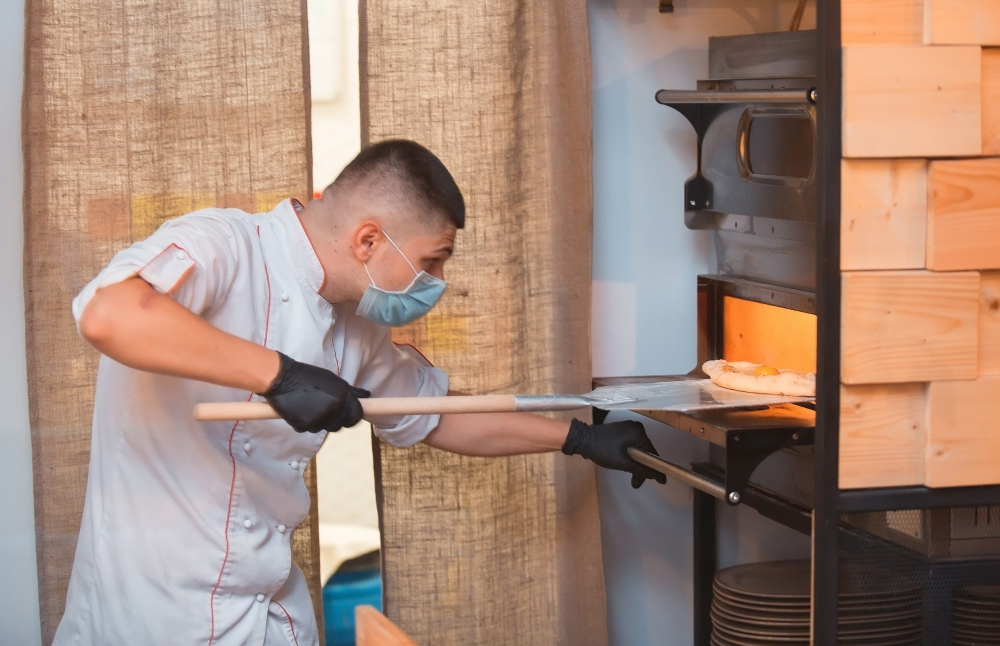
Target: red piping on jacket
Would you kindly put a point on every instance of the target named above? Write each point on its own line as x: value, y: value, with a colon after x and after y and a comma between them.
x: 232, y: 481
x: 290, y: 623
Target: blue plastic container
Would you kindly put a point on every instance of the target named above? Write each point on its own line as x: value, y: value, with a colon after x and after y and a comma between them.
x: 341, y: 594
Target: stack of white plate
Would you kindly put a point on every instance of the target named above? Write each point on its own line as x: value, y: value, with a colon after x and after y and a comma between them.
x: 975, y: 616
x: 767, y: 604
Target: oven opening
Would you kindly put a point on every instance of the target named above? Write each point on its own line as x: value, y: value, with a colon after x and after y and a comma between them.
x: 779, y: 146
x: 761, y: 333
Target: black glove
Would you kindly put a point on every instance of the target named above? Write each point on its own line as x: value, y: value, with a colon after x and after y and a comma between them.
x: 313, y: 399
x: 606, y: 445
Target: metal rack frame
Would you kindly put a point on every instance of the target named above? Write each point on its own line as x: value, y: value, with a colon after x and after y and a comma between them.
x: 827, y: 441
x: 830, y: 501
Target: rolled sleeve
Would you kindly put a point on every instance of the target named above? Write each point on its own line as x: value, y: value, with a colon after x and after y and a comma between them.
x: 191, y: 258
x: 401, y: 371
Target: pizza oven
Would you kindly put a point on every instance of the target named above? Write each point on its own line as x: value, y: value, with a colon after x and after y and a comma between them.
x: 754, y: 190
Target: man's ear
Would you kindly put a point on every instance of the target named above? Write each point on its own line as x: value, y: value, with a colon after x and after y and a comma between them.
x: 366, y: 235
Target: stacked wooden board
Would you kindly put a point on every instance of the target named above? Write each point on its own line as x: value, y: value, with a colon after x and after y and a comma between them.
x: 920, y: 243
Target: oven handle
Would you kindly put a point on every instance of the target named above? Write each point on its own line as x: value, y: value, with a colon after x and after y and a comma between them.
x: 675, y: 97
x: 657, y: 463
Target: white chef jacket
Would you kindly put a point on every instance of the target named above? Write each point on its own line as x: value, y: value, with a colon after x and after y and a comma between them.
x: 186, y: 525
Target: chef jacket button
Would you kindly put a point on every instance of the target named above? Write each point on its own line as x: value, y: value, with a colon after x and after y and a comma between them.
x: 284, y: 297
x: 281, y: 529
x: 260, y: 597
x: 181, y: 255
x: 247, y: 446
x: 294, y: 464
x: 248, y: 523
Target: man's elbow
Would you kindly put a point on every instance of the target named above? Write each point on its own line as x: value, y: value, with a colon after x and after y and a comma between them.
x: 97, y: 322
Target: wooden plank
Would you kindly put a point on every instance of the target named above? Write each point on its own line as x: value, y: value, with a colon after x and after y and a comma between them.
x: 882, y: 435
x: 882, y: 22
x: 908, y: 326
x: 883, y: 214
x: 372, y: 628
x: 963, y: 447
x: 962, y: 22
x: 912, y: 101
x: 963, y: 214
x: 991, y: 101
x: 989, y: 324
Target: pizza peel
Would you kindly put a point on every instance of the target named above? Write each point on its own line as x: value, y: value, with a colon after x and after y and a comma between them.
x: 683, y: 395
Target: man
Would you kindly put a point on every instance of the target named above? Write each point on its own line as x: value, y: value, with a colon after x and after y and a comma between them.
x: 186, y: 526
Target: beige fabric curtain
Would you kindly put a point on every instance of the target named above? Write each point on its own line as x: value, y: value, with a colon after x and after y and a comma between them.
x: 135, y: 112
x: 503, y: 551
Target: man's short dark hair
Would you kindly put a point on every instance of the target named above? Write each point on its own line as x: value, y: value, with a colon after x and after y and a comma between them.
x: 423, y: 177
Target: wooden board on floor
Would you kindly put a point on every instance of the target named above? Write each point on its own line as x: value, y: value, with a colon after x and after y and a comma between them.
x: 912, y: 101
x: 883, y: 214
x: 963, y: 433
x: 991, y: 101
x: 884, y: 22
x: 961, y: 22
x: 372, y: 628
x: 989, y: 324
x: 882, y: 435
x: 963, y: 214
x: 909, y: 326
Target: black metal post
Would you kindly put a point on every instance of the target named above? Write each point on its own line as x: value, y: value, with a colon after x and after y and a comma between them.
x: 704, y: 565
x: 827, y: 439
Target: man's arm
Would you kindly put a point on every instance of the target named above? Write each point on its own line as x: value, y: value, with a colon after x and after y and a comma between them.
x: 141, y: 328
x: 497, y: 434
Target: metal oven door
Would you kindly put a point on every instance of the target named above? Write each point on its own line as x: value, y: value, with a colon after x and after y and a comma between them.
x: 756, y: 156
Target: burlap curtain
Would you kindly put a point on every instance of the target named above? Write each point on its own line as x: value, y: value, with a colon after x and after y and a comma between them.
x: 137, y: 111
x: 495, y: 551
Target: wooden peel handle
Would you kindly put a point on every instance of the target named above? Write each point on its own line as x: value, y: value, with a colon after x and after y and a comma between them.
x: 374, y: 407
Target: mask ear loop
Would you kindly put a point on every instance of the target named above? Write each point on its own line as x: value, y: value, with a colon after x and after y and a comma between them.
x: 365, y: 264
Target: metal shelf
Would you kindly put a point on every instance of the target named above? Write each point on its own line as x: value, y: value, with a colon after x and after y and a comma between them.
x: 897, y: 498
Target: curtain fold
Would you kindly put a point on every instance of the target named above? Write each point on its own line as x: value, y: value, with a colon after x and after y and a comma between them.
x: 499, y: 551
x: 134, y: 112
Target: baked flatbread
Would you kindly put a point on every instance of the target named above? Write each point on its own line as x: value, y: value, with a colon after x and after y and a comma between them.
x: 739, y: 375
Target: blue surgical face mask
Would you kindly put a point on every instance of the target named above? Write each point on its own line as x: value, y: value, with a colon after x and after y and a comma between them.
x: 399, y: 308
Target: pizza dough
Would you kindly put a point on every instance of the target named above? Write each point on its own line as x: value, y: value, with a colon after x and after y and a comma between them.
x: 739, y: 375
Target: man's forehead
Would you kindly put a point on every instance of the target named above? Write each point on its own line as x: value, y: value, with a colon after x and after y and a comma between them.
x: 449, y: 234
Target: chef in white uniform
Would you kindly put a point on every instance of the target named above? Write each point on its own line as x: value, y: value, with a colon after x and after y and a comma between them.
x: 186, y: 525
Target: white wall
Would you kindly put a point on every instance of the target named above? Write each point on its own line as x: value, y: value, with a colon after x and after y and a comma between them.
x: 336, y: 107
x: 645, y: 264
x: 18, y: 579
x: 345, y: 472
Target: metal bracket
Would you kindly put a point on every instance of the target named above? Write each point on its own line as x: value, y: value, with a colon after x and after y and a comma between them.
x: 746, y: 450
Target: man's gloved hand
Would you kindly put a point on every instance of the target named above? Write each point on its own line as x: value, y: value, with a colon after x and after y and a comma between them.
x: 313, y: 399
x: 606, y: 445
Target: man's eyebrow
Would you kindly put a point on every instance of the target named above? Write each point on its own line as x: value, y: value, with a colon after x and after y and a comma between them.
x: 449, y: 248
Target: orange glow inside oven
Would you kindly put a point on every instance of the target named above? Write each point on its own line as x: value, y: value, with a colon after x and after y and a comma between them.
x: 774, y: 336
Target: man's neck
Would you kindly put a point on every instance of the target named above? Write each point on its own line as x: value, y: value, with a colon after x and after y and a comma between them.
x: 339, y: 283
